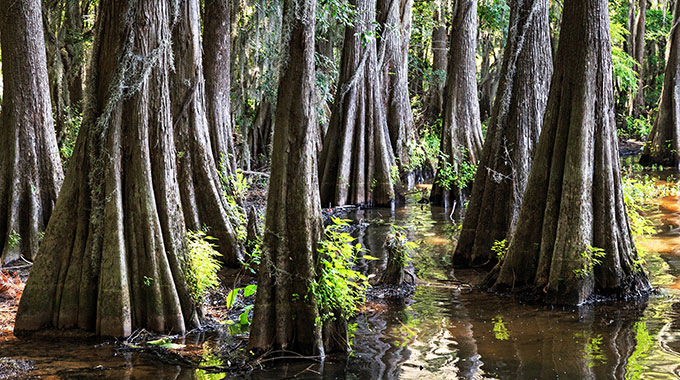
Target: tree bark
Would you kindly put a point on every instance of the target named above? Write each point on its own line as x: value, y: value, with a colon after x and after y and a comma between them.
x: 260, y: 135
x: 394, y: 18
x: 462, y: 130
x: 663, y: 142
x: 357, y: 156
x: 112, y: 258
x: 575, y: 181
x: 286, y: 314
x: 217, y: 66
x: 512, y: 135
x: 203, y: 201
x: 30, y: 169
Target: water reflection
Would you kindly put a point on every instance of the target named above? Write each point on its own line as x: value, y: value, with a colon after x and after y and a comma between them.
x: 451, y: 333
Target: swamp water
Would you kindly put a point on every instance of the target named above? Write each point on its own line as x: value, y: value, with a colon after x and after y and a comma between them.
x: 447, y: 330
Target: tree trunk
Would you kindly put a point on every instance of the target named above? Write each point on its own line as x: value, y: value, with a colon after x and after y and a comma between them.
x: 112, y: 258
x: 30, y: 170
x: 64, y: 30
x: 217, y: 66
x: 575, y: 181
x: 637, y: 102
x: 357, y: 157
x: 461, y: 131
x: 203, y: 201
x: 488, y: 74
x: 286, y: 313
x: 260, y: 135
x: 434, y: 105
x: 629, y: 44
x: 512, y: 136
x: 394, y: 18
x: 663, y: 142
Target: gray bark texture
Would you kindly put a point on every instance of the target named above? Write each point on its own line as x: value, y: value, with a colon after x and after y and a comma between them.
x: 293, y: 223
x: 663, y: 142
x: 203, y: 201
x: 217, y: 72
x: 394, y: 18
x: 512, y: 135
x: 357, y: 156
x: 112, y: 257
x: 574, y: 199
x: 461, y: 131
x: 30, y: 169
x: 260, y: 135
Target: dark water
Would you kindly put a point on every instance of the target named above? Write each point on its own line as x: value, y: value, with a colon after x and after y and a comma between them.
x: 448, y: 330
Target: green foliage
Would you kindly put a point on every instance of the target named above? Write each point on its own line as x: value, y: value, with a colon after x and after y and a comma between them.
x: 500, y: 248
x: 327, y: 71
x: 424, y: 151
x: 493, y: 14
x: 657, y: 29
x: 638, y: 192
x: 201, y: 265
x: 244, y: 317
x: 623, y: 64
x: 636, y: 127
x: 456, y: 173
x: 252, y: 255
x: 420, y: 63
x: 394, y: 174
x: 339, y: 289
x: 70, y: 134
x: 625, y: 75
x: 590, y: 257
x: 235, y: 187
x: 398, y: 243
x: 13, y: 239
x: 339, y: 11
x: 256, y: 55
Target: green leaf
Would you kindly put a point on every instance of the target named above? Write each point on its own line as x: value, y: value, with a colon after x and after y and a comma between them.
x: 249, y: 290
x: 369, y: 257
x: 158, y: 342
x: 231, y: 297
x: 243, y: 318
